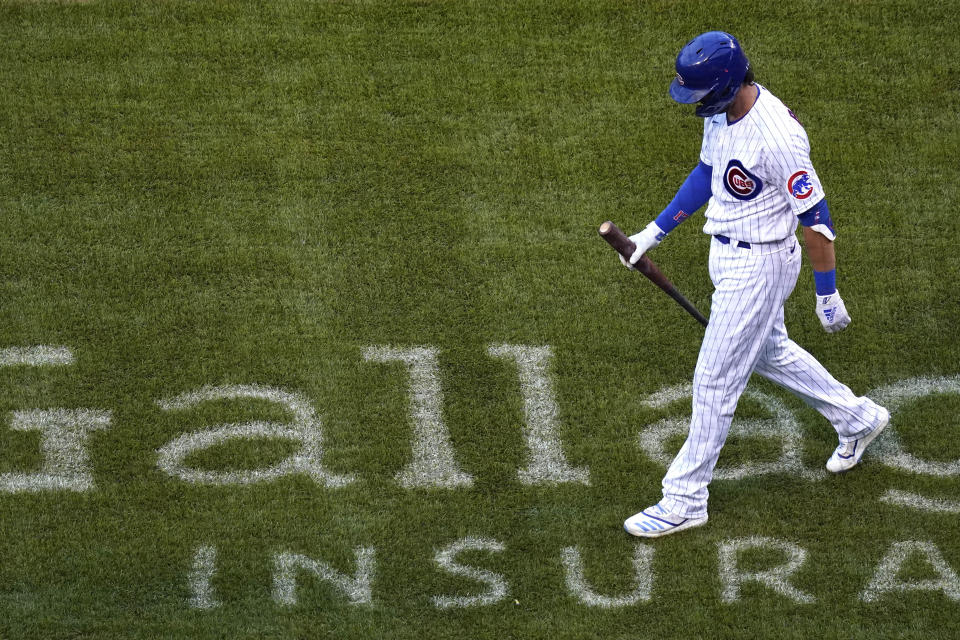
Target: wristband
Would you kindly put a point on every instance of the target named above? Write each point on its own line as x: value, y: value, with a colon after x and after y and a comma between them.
x: 826, y: 282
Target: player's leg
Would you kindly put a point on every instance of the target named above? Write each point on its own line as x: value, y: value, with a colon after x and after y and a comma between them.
x: 783, y: 361
x: 749, y: 291
x: 856, y: 419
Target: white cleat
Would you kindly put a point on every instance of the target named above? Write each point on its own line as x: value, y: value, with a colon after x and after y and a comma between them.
x: 654, y: 522
x: 848, y: 454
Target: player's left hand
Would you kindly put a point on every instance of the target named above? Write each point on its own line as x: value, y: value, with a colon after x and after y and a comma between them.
x: 832, y: 312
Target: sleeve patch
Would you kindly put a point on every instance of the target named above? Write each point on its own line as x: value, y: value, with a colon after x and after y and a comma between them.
x: 800, y: 185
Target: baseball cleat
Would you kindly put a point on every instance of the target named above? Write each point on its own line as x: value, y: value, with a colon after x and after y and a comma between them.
x: 848, y: 454
x: 654, y: 522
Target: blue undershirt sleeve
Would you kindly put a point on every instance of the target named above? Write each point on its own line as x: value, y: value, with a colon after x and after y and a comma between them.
x: 693, y: 194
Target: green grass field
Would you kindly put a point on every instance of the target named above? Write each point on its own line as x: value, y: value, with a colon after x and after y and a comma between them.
x: 364, y: 234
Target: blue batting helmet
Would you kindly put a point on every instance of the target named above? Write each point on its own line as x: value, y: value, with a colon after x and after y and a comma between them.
x: 710, y: 69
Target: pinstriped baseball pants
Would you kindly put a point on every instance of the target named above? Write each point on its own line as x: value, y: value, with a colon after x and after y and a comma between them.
x: 746, y: 334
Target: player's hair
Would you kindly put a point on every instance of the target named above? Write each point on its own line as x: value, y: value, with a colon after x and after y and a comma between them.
x: 748, y: 79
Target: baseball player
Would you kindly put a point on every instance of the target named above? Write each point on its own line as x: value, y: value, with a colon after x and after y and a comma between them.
x: 756, y: 173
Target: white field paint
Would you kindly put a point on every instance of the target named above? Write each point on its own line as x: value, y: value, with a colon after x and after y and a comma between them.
x: 66, y: 463
x: 783, y: 426
x: 356, y: 588
x: 776, y: 578
x: 888, y: 448
x: 305, y: 428
x: 546, y: 464
x: 920, y: 503
x: 204, y: 566
x: 433, y: 463
x: 578, y: 587
x: 886, y: 579
x: 446, y: 559
x: 38, y: 356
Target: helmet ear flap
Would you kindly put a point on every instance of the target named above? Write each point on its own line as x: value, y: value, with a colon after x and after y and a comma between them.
x: 716, y: 101
x: 728, y: 92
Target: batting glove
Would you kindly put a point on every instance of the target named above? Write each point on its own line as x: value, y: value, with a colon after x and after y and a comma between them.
x: 832, y: 312
x: 645, y: 240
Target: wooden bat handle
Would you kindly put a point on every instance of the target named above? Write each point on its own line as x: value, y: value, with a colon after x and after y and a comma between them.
x: 625, y: 247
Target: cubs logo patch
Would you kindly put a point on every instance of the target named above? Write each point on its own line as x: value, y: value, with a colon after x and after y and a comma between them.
x: 800, y: 185
x: 740, y: 183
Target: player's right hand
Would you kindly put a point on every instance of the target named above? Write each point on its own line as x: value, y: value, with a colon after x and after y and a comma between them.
x: 832, y: 312
x: 645, y: 240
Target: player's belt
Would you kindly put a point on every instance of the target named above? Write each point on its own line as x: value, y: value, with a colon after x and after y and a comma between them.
x: 726, y: 240
x: 761, y: 248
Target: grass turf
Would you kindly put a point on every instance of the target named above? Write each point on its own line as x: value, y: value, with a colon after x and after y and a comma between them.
x: 254, y: 192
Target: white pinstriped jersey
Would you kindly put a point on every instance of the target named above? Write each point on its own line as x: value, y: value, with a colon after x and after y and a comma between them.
x: 762, y: 175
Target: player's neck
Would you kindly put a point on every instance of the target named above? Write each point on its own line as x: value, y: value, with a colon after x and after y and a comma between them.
x: 743, y: 102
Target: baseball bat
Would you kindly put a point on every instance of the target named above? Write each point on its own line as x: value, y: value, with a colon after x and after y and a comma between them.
x: 625, y: 247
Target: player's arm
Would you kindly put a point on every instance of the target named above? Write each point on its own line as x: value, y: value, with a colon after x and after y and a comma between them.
x: 823, y: 258
x: 801, y: 187
x: 818, y: 237
x: 693, y: 194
